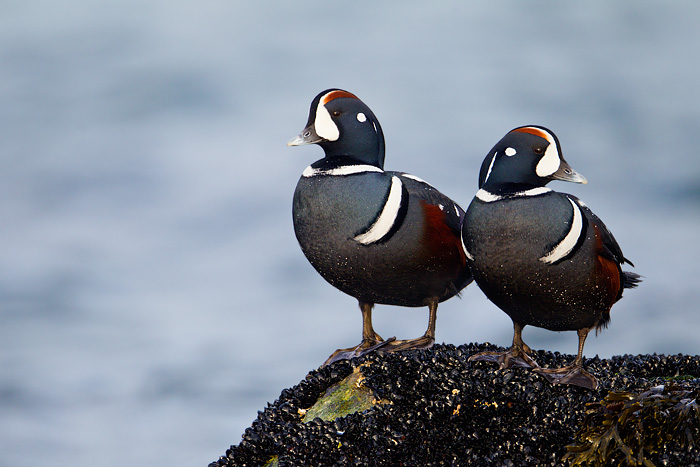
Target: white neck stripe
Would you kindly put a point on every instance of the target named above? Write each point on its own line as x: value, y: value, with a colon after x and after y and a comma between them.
x: 386, y: 219
x: 488, y: 172
x: 341, y: 171
x: 488, y: 197
x: 564, y: 247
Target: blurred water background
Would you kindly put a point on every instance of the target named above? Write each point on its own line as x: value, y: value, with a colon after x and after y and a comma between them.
x: 153, y: 297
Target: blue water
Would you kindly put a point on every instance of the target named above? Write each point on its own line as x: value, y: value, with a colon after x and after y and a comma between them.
x: 152, y: 294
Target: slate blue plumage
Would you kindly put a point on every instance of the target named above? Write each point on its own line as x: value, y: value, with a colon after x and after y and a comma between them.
x: 541, y: 256
x: 379, y: 236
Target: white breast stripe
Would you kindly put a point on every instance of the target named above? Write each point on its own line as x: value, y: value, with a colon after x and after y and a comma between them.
x: 413, y: 177
x: 385, y: 220
x: 464, y: 248
x: 340, y: 171
x: 488, y: 197
x: 564, y: 247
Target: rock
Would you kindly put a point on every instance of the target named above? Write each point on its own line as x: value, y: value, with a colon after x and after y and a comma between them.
x: 440, y: 409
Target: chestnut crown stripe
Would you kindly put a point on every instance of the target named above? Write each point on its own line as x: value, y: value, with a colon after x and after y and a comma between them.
x: 335, y: 95
x: 535, y: 131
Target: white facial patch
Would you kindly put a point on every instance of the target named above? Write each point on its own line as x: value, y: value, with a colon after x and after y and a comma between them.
x: 324, y: 125
x: 510, y: 152
x: 361, y: 117
x: 551, y: 159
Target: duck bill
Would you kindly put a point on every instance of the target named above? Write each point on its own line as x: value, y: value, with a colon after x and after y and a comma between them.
x: 567, y: 174
x: 307, y: 136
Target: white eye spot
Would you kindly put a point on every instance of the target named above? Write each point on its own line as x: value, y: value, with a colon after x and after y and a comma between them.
x: 361, y: 117
x: 511, y: 152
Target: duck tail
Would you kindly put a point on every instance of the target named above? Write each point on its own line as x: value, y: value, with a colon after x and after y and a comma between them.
x: 630, y: 280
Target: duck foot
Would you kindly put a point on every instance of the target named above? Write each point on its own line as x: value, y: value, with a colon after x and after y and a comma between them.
x: 514, y: 357
x: 359, y: 350
x: 423, y: 342
x: 572, y: 374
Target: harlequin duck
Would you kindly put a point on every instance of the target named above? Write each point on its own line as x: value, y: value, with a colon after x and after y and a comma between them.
x: 379, y: 236
x: 541, y: 256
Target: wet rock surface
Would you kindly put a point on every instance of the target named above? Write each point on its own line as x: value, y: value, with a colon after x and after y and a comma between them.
x: 444, y: 410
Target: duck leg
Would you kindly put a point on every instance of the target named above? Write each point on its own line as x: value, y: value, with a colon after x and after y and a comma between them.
x: 370, y: 339
x: 574, y: 373
x: 425, y: 341
x: 517, y: 356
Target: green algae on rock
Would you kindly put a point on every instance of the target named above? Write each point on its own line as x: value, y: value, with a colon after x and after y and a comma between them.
x: 344, y: 398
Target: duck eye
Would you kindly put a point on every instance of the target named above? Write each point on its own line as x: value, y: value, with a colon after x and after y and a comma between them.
x: 538, y: 150
x: 336, y: 113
